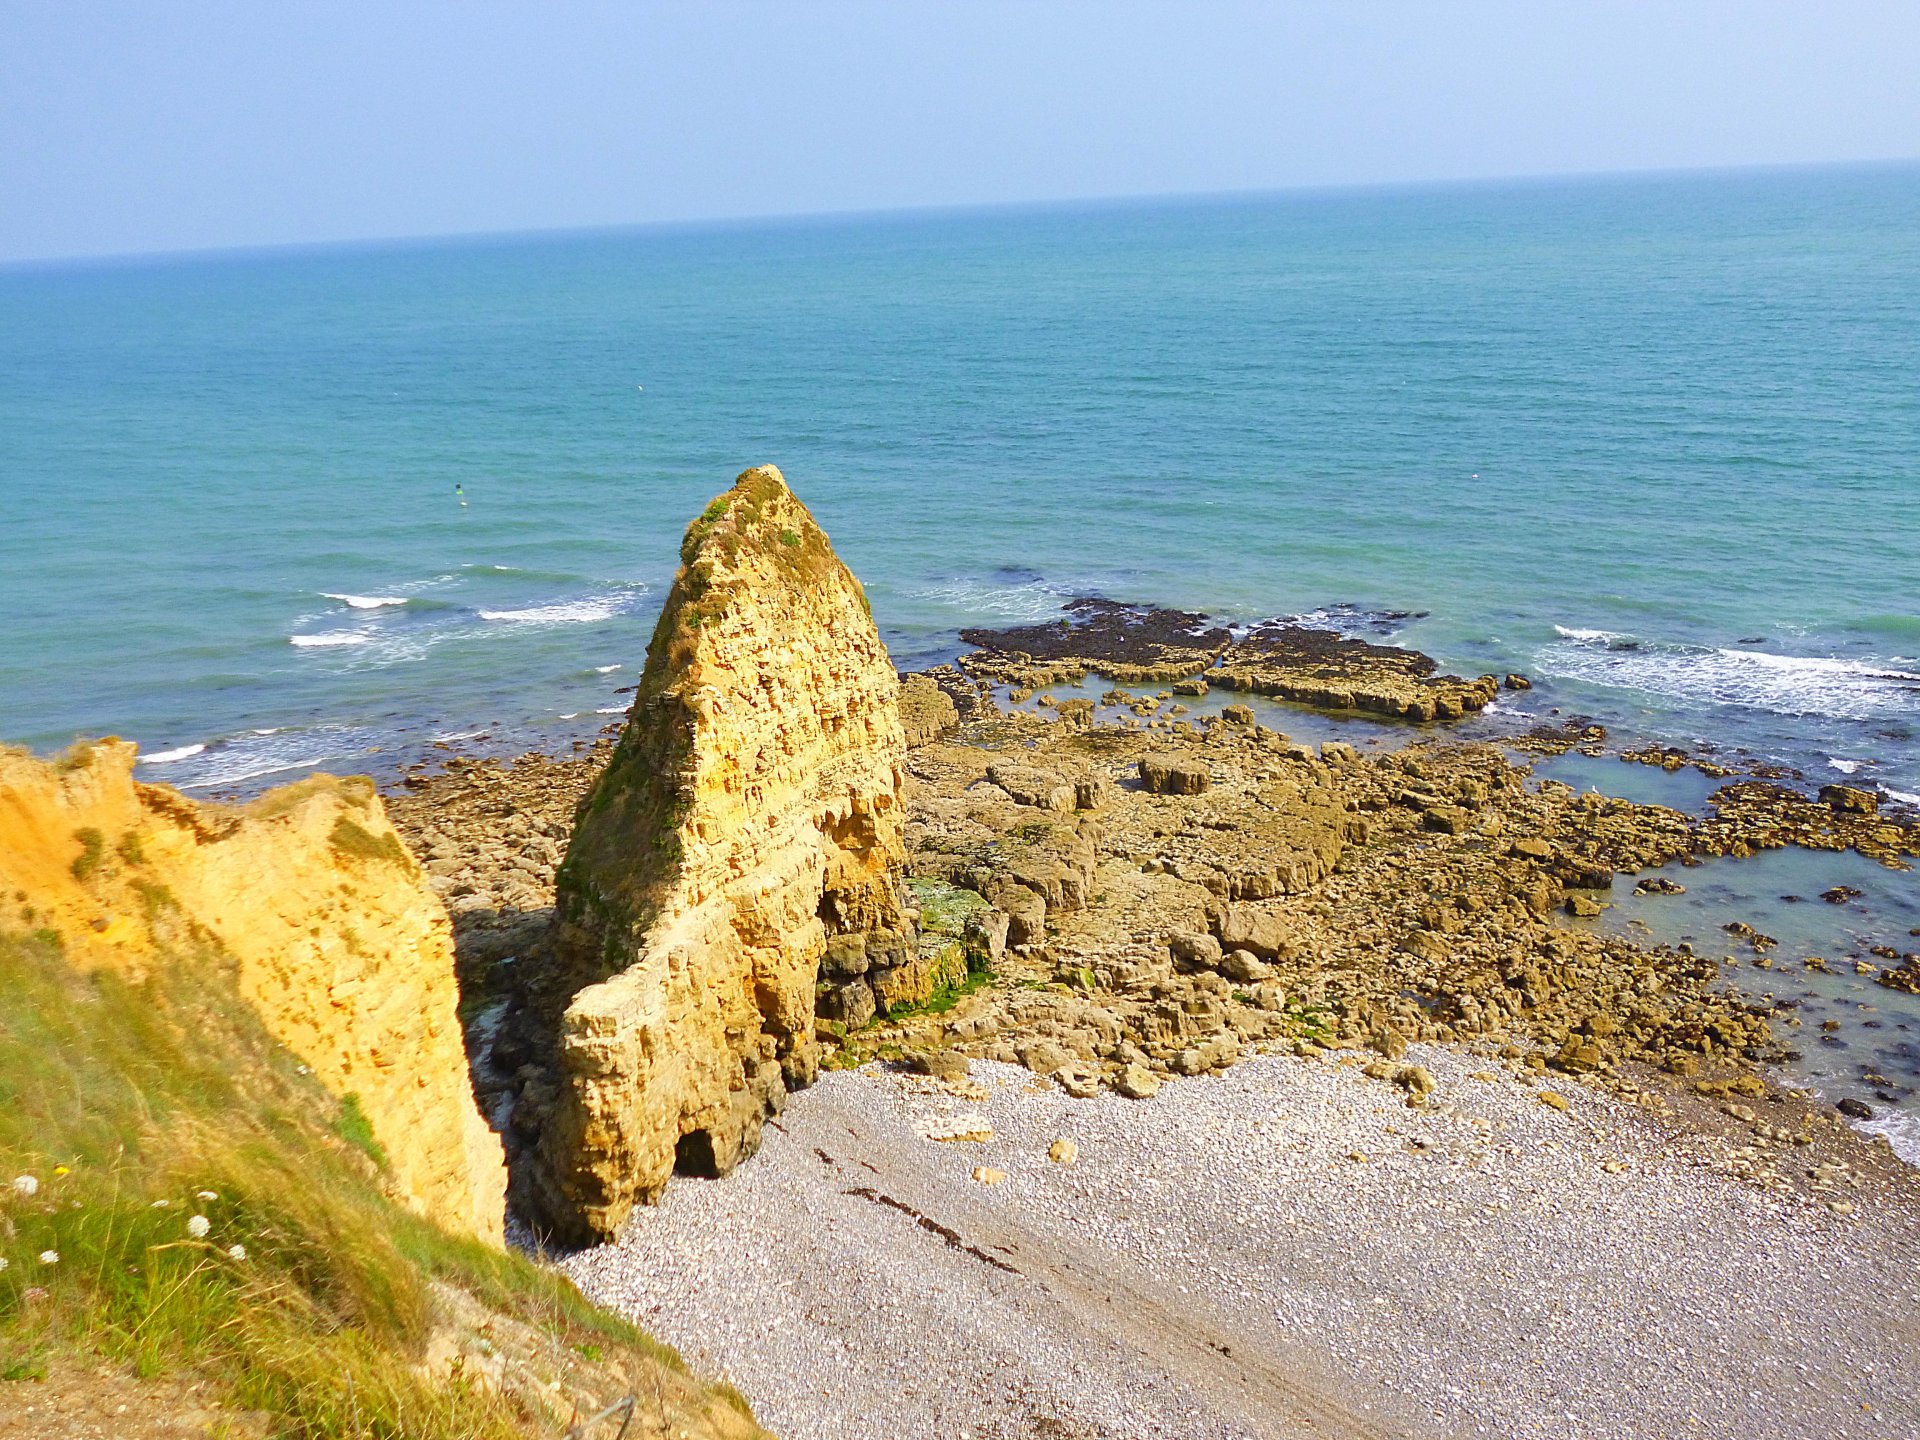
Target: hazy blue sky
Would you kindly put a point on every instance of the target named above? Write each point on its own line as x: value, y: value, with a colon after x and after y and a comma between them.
x: 134, y: 126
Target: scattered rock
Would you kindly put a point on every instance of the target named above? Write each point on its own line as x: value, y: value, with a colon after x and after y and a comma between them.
x: 1173, y: 775
x: 940, y: 1064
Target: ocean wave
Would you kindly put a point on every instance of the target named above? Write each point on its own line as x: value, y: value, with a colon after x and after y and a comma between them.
x: 605, y: 669
x: 1344, y: 618
x: 1795, y: 685
x: 1017, y: 599
x: 255, y: 754
x: 611, y: 710
x: 1902, y: 796
x: 337, y: 638
x: 367, y: 602
x: 583, y: 611
x: 1902, y: 1129
x: 1567, y: 632
x: 1845, y: 767
x: 167, y: 757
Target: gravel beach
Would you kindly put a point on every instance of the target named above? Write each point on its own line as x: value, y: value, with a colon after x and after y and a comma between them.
x: 1281, y: 1249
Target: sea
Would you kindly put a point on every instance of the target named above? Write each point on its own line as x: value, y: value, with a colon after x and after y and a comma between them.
x: 1653, y: 441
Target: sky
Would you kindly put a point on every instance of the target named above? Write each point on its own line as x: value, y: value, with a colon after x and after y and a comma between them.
x: 136, y: 127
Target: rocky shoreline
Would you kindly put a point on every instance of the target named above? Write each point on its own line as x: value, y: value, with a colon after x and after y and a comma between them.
x: 951, y: 887
x: 1161, y: 902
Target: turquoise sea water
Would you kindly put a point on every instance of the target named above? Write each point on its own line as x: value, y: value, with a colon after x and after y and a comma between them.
x: 1680, y: 410
x: 1653, y: 441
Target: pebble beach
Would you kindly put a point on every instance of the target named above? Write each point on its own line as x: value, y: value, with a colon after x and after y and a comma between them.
x: 1285, y: 1247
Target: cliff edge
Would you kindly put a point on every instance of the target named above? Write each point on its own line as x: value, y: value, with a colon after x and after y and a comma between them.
x: 308, y: 892
x: 750, y: 812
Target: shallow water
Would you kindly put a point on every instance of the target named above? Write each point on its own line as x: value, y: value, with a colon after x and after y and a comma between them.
x: 1683, y: 789
x: 1777, y: 892
x: 1296, y: 722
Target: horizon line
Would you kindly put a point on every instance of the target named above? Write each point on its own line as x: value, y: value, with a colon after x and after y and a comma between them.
x: 747, y: 220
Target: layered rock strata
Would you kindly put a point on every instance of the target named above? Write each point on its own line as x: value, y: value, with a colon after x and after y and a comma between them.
x: 310, y: 894
x: 747, y: 826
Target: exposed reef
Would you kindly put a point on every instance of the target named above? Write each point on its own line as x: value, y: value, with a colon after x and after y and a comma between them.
x: 309, y: 894
x: 1287, y: 661
x: 746, y: 826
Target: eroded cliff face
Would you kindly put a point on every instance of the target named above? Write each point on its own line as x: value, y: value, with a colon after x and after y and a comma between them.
x: 334, y: 938
x: 750, y: 812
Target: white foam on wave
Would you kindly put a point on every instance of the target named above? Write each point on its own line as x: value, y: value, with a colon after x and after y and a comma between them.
x: 1845, y: 767
x: 1568, y: 632
x: 611, y: 710
x: 311, y: 641
x: 167, y: 757
x: 1902, y: 1129
x: 998, y: 599
x: 1815, y: 685
x: 1902, y: 796
x: 258, y: 753
x: 565, y: 612
x: 366, y: 602
x: 605, y: 669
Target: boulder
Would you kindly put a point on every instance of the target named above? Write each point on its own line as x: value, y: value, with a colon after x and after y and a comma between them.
x: 1243, y: 967
x: 1242, y: 926
x: 1173, y: 775
x: 1850, y: 799
x: 1194, y: 951
x: 1029, y: 786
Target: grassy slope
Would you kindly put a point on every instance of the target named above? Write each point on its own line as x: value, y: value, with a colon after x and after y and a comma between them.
x: 139, y: 1106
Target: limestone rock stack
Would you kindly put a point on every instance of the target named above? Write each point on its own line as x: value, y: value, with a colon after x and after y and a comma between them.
x: 750, y: 812
x: 309, y: 893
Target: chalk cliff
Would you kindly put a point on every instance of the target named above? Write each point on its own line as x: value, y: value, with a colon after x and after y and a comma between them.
x: 750, y: 812
x: 307, y: 891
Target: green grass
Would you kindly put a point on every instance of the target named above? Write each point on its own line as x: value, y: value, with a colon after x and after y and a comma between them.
x: 92, y: 847
x: 348, y: 838
x: 356, y: 1129
x: 139, y: 1106
x: 942, y: 999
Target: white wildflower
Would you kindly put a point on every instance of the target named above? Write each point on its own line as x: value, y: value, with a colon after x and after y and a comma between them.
x: 236, y: 1252
x: 209, y: 1194
x: 3, y: 1262
x: 25, y: 1185
x: 160, y: 1205
x: 197, y: 1226
x: 49, y: 1257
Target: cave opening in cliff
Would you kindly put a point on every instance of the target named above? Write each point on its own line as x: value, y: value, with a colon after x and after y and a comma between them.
x: 693, y: 1155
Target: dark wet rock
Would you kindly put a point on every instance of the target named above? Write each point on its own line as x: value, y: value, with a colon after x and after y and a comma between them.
x: 1850, y: 799
x: 1302, y: 664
